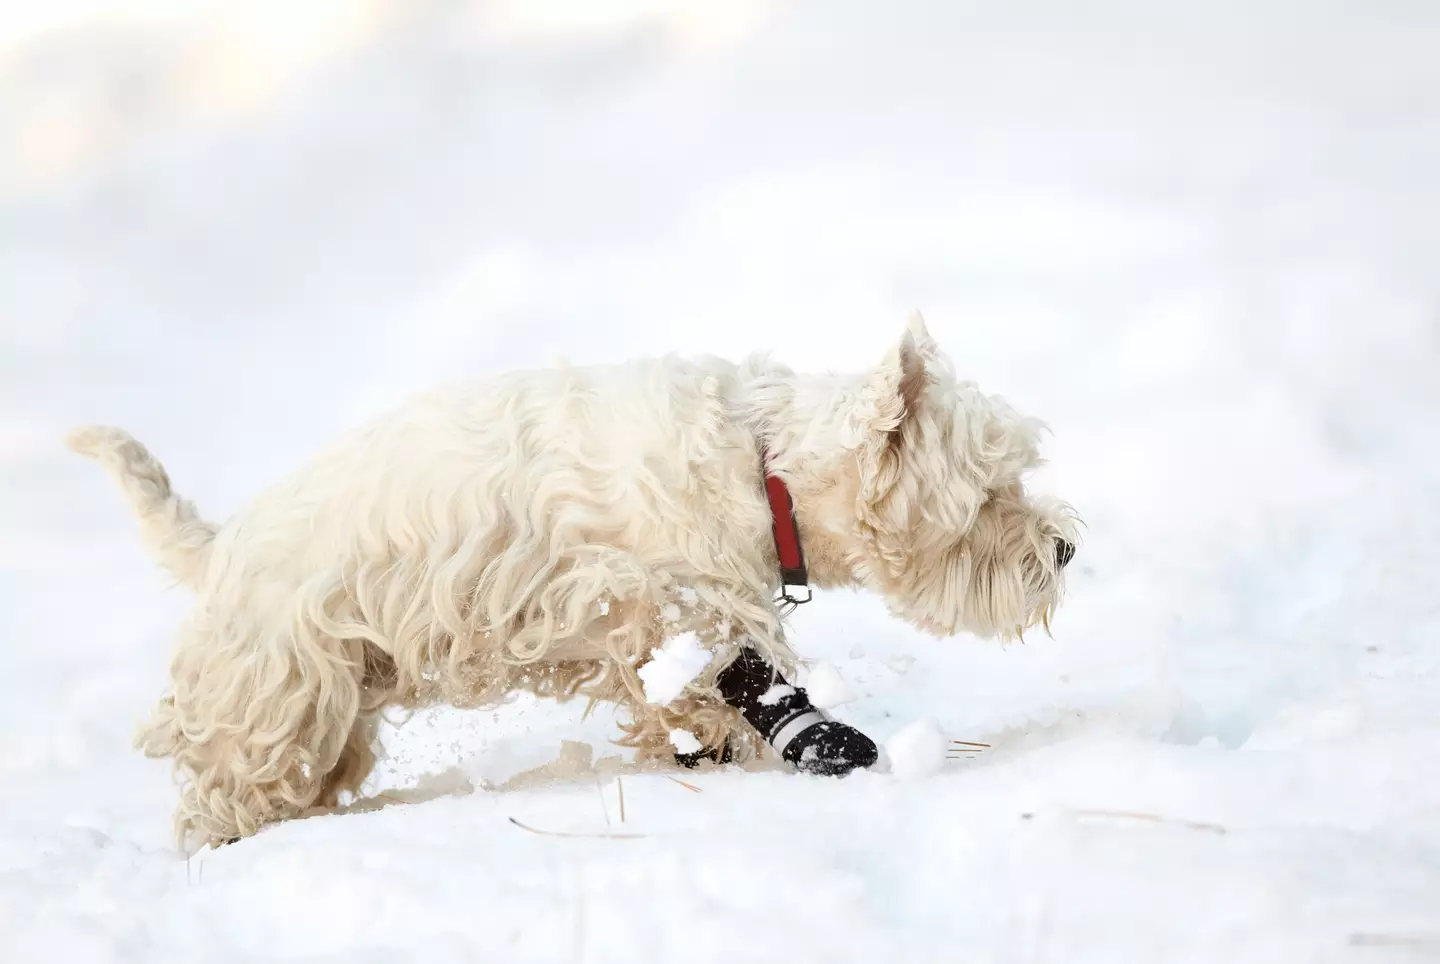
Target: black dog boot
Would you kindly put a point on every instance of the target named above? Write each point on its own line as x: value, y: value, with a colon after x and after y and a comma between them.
x: 804, y: 736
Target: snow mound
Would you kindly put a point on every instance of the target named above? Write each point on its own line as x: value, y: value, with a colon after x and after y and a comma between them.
x: 826, y: 687
x: 685, y: 742
x: 672, y: 667
x: 776, y: 693
x: 917, y: 750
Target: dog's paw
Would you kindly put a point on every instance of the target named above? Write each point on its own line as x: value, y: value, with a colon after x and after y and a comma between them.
x: 831, y: 749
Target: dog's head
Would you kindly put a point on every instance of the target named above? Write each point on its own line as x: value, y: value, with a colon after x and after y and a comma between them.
x: 944, y: 529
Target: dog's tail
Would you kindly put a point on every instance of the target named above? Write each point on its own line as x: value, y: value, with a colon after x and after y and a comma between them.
x: 170, y: 526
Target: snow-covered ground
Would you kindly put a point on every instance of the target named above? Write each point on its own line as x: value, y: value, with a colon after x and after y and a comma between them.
x: 1201, y: 241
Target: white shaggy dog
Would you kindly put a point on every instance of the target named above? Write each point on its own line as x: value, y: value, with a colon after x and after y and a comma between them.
x: 546, y: 530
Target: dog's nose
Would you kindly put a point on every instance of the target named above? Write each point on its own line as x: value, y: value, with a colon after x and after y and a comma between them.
x: 1064, y: 552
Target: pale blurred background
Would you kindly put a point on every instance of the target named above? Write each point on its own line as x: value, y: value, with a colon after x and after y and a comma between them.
x: 1202, y: 241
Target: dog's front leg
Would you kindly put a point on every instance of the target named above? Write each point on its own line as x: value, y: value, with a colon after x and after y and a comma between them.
x: 783, y: 715
x: 778, y: 713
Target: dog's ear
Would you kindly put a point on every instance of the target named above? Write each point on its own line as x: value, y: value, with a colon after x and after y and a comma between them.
x: 937, y: 363
x: 893, y: 394
x: 895, y: 389
x: 915, y: 328
x: 911, y: 362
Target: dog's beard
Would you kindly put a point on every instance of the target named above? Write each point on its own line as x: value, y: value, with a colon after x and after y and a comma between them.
x: 1000, y: 580
x: 988, y: 599
x: 1013, y: 597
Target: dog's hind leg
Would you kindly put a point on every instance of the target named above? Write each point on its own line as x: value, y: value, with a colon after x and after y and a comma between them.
x: 356, y: 761
x: 705, y: 609
x: 257, y: 726
x: 664, y: 733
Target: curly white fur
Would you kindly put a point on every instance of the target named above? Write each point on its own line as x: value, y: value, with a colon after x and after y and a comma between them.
x: 545, y: 531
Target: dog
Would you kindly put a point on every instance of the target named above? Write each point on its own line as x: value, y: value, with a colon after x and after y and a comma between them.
x: 547, y: 530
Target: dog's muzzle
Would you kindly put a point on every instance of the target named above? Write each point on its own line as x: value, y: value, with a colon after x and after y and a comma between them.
x: 1064, y: 552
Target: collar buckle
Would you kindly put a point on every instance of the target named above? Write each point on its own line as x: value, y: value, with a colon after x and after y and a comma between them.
x: 789, y: 603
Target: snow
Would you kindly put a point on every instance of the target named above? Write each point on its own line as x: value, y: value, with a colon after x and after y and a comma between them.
x: 671, y: 668
x: 685, y: 742
x: 917, y: 749
x: 1199, y: 241
x: 826, y: 687
x: 776, y: 693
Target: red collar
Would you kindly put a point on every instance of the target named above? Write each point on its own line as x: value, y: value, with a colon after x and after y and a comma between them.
x: 787, y: 541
